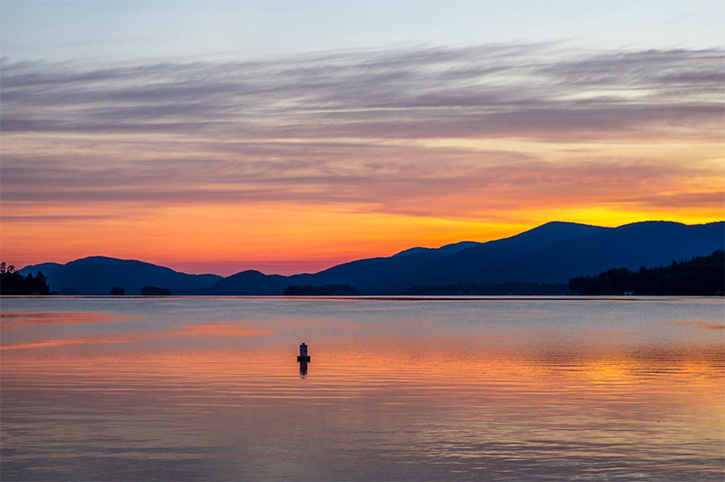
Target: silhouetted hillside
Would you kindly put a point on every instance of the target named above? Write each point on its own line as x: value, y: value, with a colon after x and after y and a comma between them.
x: 326, y: 290
x: 448, y: 249
x: 451, y: 264
x: 699, y: 276
x: 646, y: 244
x: 549, y: 254
x: 98, y: 275
x: 489, y: 289
x: 14, y: 283
x: 248, y: 282
x: 156, y: 291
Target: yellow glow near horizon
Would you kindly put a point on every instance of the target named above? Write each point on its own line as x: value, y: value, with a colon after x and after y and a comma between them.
x: 221, y: 167
x: 266, y: 237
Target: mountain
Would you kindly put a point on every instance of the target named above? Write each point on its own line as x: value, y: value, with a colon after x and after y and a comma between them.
x: 500, y: 261
x: 649, y: 244
x: 551, y: 253
x: 96, y: 275
x: 449, y: 248
x: 248, y: 282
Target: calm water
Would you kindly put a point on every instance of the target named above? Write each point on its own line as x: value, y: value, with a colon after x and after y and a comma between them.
x: 209, y: 389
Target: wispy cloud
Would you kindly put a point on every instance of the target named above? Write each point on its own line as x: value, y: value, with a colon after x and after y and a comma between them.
x: 465, y: 134
x: 405, y: 182
x: 511, y: 90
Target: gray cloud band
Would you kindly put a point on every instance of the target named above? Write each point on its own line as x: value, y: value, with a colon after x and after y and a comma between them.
x: 515, y: 90
x: 344, y: 127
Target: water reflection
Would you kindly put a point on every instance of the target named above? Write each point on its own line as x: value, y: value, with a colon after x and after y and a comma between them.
x: 16, y: 320
x: 568, y: 392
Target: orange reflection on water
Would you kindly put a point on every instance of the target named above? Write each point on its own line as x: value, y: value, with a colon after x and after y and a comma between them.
x: 476, y: 359
x: 187, y: 331
x: 458, y: 403
x: 430, y: 391
x: 220, y: 330
x: 700, y: 324
x: 64, y: 342
x: 15, y: 320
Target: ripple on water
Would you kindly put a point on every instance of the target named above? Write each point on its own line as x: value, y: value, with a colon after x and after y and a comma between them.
x: 524, y: 390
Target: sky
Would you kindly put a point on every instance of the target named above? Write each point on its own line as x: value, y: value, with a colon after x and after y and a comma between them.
x: 291, y: 136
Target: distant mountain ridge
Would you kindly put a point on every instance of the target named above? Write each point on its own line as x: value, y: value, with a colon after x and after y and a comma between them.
x: 96, y: 275
x: 551, y: 253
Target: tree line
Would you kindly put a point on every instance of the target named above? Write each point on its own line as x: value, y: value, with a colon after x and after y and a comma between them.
x: 13, y: 283
x: 145, y: 291
x: 494, y: 289
x: 702, y: 275
x: 324, y: 290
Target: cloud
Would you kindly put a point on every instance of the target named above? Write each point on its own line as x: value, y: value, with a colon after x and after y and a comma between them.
x: 716, y: 198
x: 498, y: 90
x: 363, y: 127
x: 405, y: 180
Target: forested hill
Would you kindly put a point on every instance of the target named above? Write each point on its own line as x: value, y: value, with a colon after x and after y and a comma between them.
x: 531, y: 261
x: 99, y: 275
x: 549, y: 254
x: 702, y: 275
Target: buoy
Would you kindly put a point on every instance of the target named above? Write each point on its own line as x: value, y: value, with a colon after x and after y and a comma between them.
x: 303, y: 356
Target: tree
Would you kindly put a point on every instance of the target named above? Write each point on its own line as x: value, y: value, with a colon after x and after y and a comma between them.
x: 702, y: 275
x: 325, y: 290
x: 39, y: 284
x: 118, y: 291
x: 155, y: 291
x: 13, y: 283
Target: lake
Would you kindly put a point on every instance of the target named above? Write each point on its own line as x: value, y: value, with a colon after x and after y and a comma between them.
x: 177, y: 389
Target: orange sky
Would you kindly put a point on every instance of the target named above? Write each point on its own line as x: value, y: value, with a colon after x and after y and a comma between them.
x: 294, y: 165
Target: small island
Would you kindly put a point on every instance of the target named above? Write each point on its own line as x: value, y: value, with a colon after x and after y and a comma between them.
x: 13, y: 283
x: 156, y: 291
x: 324, y: 290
